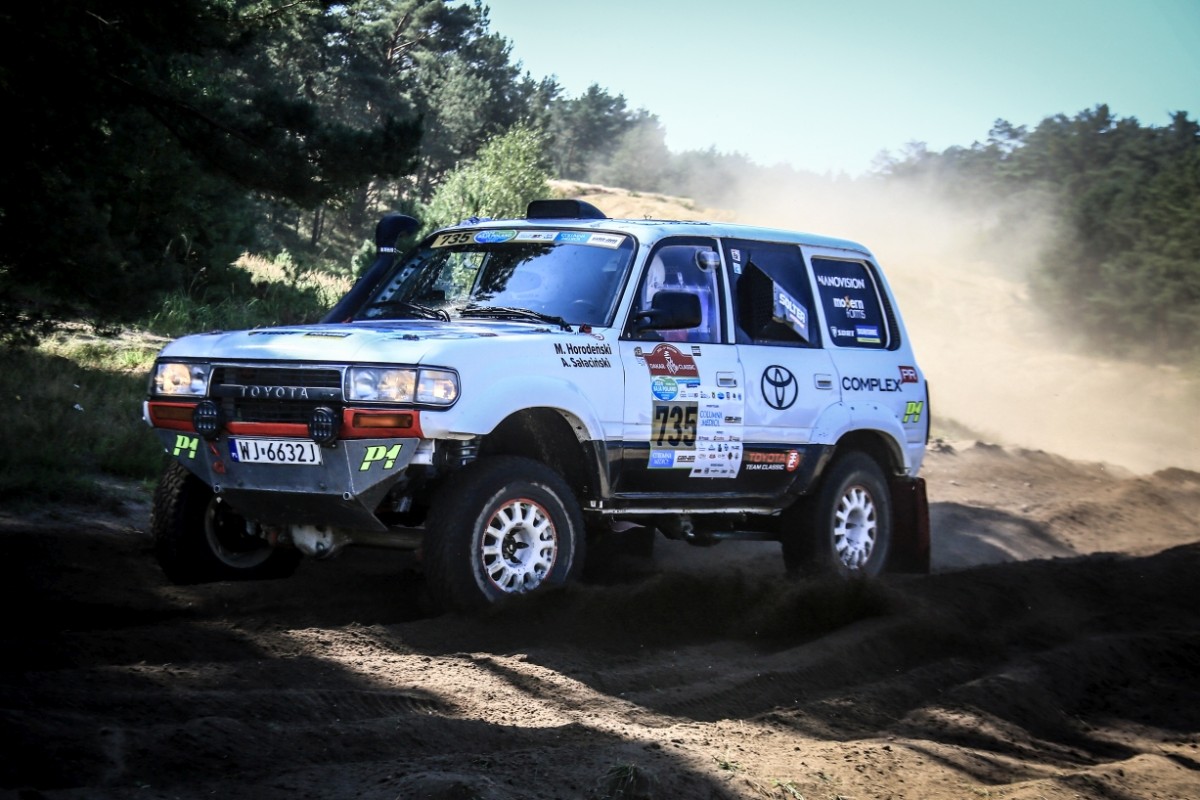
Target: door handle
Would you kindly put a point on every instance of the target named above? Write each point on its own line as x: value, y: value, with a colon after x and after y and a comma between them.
x: 726, y: 379
x: 823, y: 381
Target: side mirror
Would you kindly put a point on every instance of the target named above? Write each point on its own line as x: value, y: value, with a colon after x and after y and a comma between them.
x: 670, y: 311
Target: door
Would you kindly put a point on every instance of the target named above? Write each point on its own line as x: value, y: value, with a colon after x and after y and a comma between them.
x: 790, y: 378
x: 684, y: 389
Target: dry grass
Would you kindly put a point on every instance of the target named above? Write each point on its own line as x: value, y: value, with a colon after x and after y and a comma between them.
x: 623, y: 204
x: 328, y: 287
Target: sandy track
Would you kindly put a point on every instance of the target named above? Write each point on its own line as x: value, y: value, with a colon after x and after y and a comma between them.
x: 1053, y: 653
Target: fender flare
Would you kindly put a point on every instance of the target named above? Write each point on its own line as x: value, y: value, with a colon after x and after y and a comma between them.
x: 842, y: 419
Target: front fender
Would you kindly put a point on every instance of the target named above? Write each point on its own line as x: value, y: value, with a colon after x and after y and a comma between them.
x: 507, y: 396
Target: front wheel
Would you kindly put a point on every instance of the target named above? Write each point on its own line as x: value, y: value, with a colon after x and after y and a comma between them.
x: 198, y: 539
x: 846, y: 527
x: 501, y: 527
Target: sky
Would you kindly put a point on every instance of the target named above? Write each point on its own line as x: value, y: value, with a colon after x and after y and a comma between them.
x: 827, y: 86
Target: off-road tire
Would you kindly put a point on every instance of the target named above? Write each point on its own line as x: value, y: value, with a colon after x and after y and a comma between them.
x: 845, y: 527
x: 200, y: 540
x: 501, y: 527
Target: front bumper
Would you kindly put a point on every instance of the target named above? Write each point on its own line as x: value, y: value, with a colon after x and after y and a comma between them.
x: 341, y: 492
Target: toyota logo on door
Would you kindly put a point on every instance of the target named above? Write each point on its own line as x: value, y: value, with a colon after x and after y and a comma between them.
x: 779, y: 387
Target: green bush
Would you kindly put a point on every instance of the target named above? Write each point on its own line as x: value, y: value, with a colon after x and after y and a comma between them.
x: 262, y: 292
x: 74, y: 414
x: 508, y: 173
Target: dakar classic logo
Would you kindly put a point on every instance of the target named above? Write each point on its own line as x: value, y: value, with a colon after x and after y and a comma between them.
x: 667, y: 359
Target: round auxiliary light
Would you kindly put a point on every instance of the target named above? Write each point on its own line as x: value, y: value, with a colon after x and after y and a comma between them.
x: 207, y: 419
x: 323, y: 425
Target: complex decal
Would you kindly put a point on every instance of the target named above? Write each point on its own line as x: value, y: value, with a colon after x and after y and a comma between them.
x: 779, y: 387
x: 851, y: 384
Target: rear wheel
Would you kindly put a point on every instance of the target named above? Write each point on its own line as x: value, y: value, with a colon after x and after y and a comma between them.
x: 501, y: 527
x: 198, y: 539
x: 845, y: 528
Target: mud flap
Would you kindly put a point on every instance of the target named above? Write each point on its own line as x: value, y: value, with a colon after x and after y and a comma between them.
x: 910, y: 526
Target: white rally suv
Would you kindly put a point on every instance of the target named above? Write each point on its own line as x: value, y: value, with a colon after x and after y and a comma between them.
x: 509, y: 390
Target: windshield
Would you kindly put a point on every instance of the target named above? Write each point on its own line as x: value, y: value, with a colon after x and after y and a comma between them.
x: 568, y: 277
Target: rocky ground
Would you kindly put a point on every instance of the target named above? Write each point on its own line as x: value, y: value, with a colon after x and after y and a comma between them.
x: 1053, y: 653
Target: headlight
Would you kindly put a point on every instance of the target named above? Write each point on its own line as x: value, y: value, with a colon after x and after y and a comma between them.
x: 382, y: 385
x: 437, y: 387
x: 174, y: 378
x: 386, y: 385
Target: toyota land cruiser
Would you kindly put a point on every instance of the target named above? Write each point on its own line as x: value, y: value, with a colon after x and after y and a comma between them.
x: 510, y: 389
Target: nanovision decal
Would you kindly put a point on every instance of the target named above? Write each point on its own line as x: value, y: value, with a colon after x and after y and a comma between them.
x: 758, y: 460
x: 669, y: 360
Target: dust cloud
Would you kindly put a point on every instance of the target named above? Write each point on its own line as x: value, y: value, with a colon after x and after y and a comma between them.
x: 999, y: 370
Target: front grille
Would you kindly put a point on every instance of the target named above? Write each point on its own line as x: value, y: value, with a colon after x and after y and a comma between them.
x: 250, y: 393
x: 316, y: 377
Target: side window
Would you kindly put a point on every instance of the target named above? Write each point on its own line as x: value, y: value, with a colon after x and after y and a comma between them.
x: 678, y: 266
x: 772, y: 294
x: 851, y: 302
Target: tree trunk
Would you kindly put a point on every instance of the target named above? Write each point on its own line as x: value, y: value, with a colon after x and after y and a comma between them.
x: 318, y: 225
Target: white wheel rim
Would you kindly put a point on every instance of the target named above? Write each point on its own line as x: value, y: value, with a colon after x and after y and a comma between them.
x: 519, y: 546
x: 855, y: 528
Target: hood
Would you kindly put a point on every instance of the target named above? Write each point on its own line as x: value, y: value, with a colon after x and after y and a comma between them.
x: 399, y: 341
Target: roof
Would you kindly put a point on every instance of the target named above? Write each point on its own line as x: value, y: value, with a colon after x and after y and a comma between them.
x: 649, y: 231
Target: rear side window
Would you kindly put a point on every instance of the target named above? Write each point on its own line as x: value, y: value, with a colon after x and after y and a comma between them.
x: 772, y: 296
x: 850, y: 297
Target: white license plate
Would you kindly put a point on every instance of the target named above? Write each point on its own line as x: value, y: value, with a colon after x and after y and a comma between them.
x: 275, y: 451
